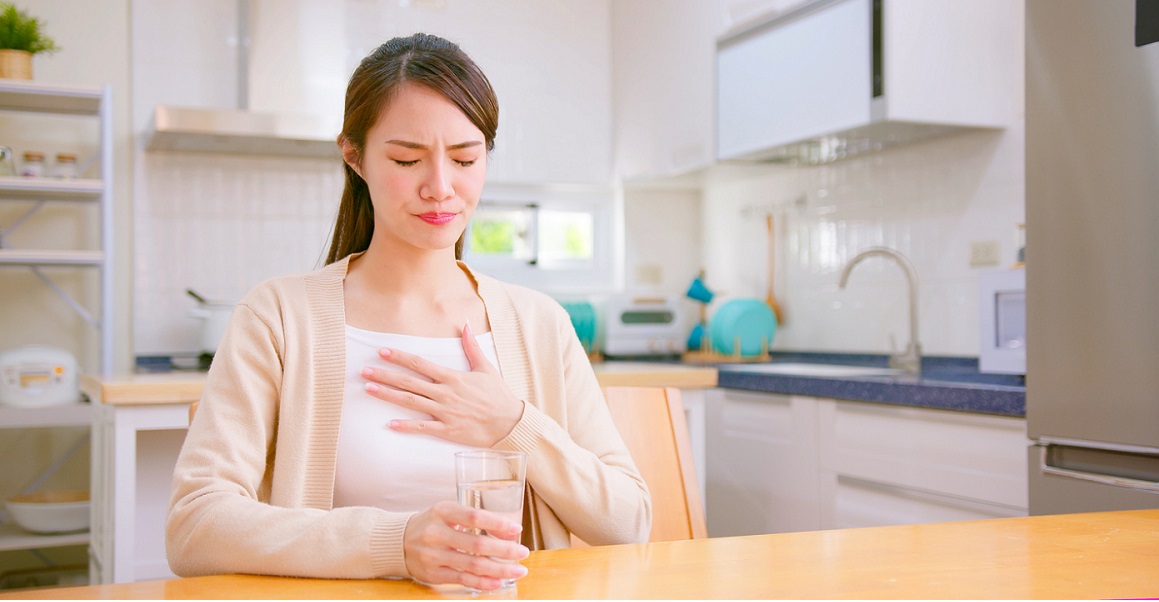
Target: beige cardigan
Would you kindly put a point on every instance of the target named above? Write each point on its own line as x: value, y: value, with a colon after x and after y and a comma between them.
x: 254, y: 484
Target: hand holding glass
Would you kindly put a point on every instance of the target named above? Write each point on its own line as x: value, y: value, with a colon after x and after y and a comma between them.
x: 492, y: 480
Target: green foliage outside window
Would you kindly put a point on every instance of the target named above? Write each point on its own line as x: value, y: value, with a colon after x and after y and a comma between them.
x: 493, y: 237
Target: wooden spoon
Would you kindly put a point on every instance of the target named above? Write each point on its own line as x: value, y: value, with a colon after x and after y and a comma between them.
x: 769, y: 298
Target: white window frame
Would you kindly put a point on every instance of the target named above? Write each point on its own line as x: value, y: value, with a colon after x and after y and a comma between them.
x: 602, y: 274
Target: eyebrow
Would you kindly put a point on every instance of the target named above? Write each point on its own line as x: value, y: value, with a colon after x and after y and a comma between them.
x: 416, y: 145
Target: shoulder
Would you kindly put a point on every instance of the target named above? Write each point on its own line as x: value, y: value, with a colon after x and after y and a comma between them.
x: 527, y: 302
x: 274, y: 294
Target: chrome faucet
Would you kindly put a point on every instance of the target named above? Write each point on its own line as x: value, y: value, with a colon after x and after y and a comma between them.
x: 910, y: 361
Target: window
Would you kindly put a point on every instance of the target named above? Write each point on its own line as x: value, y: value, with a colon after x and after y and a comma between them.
x: 551, y: 241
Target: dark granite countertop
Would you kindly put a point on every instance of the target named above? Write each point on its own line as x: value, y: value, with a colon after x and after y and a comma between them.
x: 946, y: 383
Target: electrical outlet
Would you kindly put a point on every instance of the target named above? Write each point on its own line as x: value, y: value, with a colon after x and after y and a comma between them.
x: 984, y: 253
x: 649, y: 273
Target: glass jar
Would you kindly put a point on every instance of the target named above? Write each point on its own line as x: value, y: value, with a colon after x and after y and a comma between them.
x: 33, y: 166
x: 7, y: 164
x: 65, y: 167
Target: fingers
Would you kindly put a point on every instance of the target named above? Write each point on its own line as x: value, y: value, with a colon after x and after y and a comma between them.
x: 402, y: 398
x: 429, y: 427
x: 475, y: 355
x: 438, y: 550
x: 493, y: 523
x: 428, y: 369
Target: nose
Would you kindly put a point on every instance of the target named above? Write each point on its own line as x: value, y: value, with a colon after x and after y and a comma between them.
x: 436, y: 186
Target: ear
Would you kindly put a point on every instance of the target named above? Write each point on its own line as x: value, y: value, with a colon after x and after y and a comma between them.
x: 350, y: 155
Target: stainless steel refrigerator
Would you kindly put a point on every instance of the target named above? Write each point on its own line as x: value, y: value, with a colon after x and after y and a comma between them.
x: 1092, y: 254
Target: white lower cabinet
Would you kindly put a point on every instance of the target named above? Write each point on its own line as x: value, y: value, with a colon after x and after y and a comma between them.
x: 889, y: 465
x: 781, y: 463
x: 762, y: 463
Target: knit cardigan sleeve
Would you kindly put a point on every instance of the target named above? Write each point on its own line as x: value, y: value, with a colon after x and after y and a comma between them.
x: 579, y: 467
x: 226, y: 515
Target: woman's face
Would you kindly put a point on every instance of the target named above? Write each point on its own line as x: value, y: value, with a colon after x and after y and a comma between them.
x: 425, y: 164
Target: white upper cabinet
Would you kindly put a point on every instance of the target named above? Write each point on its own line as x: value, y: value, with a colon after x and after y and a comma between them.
x: 831, y: 78
x: 662, y: 76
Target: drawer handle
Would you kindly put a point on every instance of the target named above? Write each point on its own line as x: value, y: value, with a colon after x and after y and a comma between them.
x: 1094, y: 477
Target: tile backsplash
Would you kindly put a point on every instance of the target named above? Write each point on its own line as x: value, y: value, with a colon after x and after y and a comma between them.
x: 219, y: 224
x: 929, y: 201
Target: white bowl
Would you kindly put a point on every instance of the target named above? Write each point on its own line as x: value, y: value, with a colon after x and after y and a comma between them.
x: 50, y: 511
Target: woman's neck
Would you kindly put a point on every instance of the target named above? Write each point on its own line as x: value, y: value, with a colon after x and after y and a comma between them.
x: 411, y: 291
x: 410, y: 272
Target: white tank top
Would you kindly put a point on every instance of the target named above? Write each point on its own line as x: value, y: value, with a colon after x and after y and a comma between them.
x: 376, y: 466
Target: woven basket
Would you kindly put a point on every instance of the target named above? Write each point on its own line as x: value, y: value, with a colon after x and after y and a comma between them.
x: 15, y: 64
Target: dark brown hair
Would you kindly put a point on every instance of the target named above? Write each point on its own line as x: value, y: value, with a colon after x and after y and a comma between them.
x: 421, y: 59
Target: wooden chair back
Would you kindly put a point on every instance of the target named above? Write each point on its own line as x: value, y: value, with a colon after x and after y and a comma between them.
x: 651, y: 421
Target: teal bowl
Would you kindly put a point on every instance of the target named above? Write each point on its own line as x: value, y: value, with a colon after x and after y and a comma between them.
x: 747, y: 322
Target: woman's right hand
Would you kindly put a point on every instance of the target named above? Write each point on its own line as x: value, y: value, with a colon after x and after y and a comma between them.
x: 440, y: 548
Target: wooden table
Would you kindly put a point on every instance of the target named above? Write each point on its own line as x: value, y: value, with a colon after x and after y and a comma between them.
x: 1096, y: 555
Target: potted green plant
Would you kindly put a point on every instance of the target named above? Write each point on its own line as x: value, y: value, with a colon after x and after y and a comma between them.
x: 20, y: 38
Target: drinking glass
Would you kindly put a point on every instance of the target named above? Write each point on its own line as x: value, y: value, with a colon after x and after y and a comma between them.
x: 492, y: 480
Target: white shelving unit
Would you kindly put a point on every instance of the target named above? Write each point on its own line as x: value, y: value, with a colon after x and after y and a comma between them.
x: 35, y: 98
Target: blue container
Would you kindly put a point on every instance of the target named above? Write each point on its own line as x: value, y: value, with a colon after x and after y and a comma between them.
x: 749, y: 322
x: 583, y: 319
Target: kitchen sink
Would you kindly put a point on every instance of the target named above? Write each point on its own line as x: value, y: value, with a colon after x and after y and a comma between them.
x: 819, y: 370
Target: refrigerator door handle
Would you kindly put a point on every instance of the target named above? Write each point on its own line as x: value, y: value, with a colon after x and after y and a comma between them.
x: 1095, y: 477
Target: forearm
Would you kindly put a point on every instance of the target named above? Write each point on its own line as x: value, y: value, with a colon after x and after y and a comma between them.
x: 221, y: 532
x: 599, y: 496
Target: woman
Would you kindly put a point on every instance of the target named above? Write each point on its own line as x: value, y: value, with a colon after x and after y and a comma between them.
x: 323, y: 444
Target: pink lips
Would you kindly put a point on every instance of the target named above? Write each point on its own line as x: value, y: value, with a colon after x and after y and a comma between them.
x: 438, y: 219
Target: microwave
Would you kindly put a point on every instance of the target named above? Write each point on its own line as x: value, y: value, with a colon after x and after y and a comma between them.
x: 644, y: 326
x: 1002, y: 319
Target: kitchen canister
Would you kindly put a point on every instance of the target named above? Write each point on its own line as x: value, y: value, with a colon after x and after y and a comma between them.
x: 583, y: 319
x: 65, y: 167
x: 7, y: 162
x: 749, y: 323
x: 33, y: 164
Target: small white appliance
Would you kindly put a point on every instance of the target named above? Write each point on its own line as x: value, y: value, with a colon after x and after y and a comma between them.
x: 38, y: 375
x: 1002, y: 317
x: 644, y: 326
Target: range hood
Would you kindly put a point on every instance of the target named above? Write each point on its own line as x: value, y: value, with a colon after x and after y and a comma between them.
x: 240, y: 131
x: 273, y: 127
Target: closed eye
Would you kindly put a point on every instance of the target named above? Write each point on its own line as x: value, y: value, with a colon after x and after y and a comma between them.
x: 406, y: 163
x: 465, y: 163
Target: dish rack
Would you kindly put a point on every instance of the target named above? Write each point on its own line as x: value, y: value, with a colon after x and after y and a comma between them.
x: 709, y: 355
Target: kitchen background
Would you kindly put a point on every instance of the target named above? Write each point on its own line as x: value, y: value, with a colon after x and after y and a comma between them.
x: 610, y: 102
x: 218, y: 223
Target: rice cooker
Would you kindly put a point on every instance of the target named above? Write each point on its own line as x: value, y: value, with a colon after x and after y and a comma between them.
x: 38, y: 375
